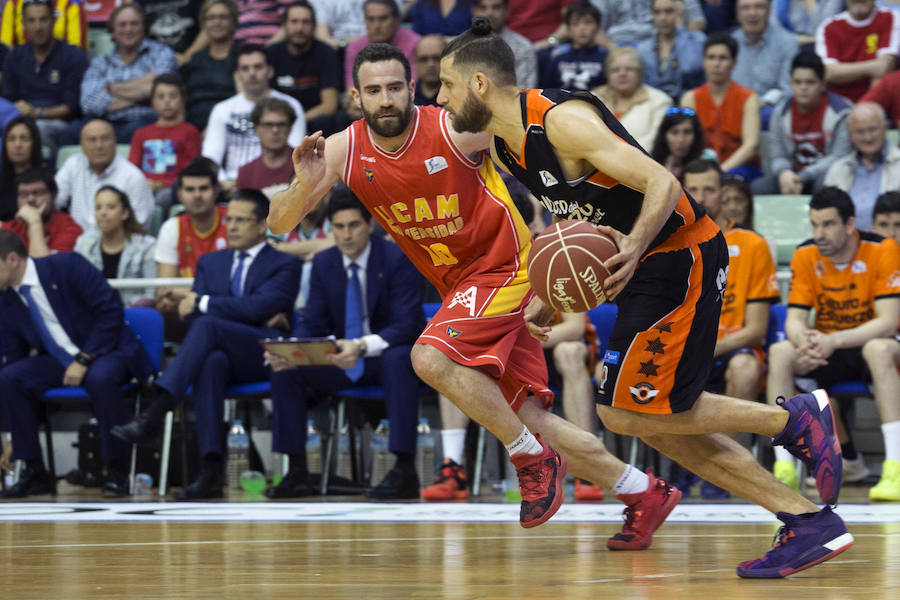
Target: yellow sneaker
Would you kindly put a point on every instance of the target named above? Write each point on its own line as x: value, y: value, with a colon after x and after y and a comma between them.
x: 786, y: 473
x: 888, y: 487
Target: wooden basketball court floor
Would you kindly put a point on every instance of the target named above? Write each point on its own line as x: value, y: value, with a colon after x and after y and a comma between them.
x: 85, y: 548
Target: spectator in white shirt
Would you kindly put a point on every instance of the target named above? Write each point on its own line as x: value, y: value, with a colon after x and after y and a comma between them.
x: 230, y: 139
x: 97, y: 165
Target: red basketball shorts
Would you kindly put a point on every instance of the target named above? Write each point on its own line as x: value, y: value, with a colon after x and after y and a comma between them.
x: 484, y: 328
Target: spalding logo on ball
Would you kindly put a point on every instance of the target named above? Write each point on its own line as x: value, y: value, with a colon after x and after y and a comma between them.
x: 565, y: 266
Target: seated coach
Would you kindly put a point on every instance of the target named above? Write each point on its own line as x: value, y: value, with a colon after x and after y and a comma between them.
x: 375, y: 337
x: 62, y: 324
x: 237, y: 294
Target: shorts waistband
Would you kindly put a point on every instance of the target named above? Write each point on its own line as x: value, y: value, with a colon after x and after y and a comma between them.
x: 700, y: 231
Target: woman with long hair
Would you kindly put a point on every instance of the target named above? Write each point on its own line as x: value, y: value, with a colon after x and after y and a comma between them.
x: 679, y: 140
x: 21, y: 151
x: 119, y: 246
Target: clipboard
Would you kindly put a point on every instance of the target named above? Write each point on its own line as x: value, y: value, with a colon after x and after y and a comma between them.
x: 301, y: 352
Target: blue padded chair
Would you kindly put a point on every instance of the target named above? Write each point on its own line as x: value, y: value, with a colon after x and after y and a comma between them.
x: 603, y: 318
x: 775, y: 332
x: 372, y: 392
x: 147, y: 324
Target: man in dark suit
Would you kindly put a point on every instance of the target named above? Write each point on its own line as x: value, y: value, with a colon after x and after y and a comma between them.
x: 237, y: 295
x: 374, y: 342
x: 62, y: 306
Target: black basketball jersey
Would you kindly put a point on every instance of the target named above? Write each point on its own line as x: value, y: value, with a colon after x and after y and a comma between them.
x: 597, y: 198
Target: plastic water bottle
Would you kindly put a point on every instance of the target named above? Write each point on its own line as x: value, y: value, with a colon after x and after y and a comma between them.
x: 313, y: 448
x: 424, y: 452
x: 142, y: 485
x: 238, y: 454
x: 381, y: 455
x: 345, y: 464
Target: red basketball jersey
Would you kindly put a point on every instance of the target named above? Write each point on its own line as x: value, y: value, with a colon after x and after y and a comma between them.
x: 452, y: 217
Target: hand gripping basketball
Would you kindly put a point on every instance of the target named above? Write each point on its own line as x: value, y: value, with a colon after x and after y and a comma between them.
x: 565, y: 266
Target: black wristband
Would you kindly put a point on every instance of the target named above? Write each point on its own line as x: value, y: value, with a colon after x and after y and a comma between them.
x: 84, y: 359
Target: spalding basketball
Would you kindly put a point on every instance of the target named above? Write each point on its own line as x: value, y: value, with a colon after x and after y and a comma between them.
x: 565, y: 266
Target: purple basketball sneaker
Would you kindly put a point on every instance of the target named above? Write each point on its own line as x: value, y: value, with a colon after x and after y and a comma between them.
x: 809, y: 435
x: 803, y: 541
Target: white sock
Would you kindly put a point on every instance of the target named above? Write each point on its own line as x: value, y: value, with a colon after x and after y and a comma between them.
x: 632, y: 481
x: 782, y: 454
x: 525, y: 443
x: 891, y: 433
x: 453, y: 441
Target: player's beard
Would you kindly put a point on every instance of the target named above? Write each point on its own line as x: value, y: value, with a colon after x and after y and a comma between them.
x: 388, y: 130
x: 473, y: 117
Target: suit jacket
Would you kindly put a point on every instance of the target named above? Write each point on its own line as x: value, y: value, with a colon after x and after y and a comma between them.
x: 393, y: 295
x: 271, y: 286
x: 88, y: 309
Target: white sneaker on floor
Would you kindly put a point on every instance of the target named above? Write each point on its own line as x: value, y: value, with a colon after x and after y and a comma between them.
x: 854, y: 471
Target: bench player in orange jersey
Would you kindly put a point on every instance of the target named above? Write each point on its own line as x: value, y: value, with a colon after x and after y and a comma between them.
x: 668, y: 279
x: 437, y: 193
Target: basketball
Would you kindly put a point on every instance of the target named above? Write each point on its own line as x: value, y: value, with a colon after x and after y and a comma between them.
x: 565, y: 266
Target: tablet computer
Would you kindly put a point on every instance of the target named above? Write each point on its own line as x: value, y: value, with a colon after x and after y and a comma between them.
x: 303, y: 351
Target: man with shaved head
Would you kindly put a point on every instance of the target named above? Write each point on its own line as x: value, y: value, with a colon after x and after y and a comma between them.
x: 428, y: 66
x: 872, y: 167
x: 97, y: 165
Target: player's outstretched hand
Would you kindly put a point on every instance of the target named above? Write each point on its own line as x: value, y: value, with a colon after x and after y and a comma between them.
x: 309, y: 159
x: 620, y: 265
x: 537, y: 314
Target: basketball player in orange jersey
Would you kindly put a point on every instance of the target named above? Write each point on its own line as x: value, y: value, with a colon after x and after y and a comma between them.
x: 438, y: 194
x: 667, y: 278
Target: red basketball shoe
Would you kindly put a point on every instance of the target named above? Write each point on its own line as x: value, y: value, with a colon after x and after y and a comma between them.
x: 541, y: 484
x: 585, y: 491
x: 450, y: 483
x: 644, y: 513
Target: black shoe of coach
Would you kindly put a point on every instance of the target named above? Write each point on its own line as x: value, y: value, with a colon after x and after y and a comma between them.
x: 399, y: 484
x: 207, y: 486
x: 294, y: 485
x: 32, y: 482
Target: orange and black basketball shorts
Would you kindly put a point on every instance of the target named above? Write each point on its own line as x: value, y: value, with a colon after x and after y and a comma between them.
x: 483, y: 327
x: 661, y: 348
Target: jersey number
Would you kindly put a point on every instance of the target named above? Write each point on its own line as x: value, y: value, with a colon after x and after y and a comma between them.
x: 440, y: 254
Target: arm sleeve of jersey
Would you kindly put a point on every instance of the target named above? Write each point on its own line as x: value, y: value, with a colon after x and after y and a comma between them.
x: 822, y: 45
x: 802, y: 294
x: 167, y: 243
x: 298, y: 129
x: 214, y: 140
x: 892, y: 44
x: 887, y: 278
x: 764, y: 284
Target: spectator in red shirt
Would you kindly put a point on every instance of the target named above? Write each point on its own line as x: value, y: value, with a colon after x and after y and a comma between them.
x: 272, y: 120
x: 162, y: 149
x: 858, y: 46
x: 887, y: 93
x: 43, y: 229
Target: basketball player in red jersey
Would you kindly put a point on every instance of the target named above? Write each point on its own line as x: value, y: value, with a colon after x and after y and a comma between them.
x: 667, y: 278
x: 438, y: 194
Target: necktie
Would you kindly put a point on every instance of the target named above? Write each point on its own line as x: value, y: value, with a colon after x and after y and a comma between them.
x: 238, y: 274
x: 353, y: 318
x: 50, y: 345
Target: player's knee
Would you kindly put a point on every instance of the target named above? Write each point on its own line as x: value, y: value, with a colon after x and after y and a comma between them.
x: 615, y: 419
x: 570, y: 356
x: 782, y: 352
x: 881, y: 351
x: 744, y: 371
x: 425, y: 362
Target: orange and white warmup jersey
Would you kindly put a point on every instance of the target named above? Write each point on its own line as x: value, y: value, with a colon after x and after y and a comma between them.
x: 844, y: 297
x: 751, y: 277
x: 454, y: 219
